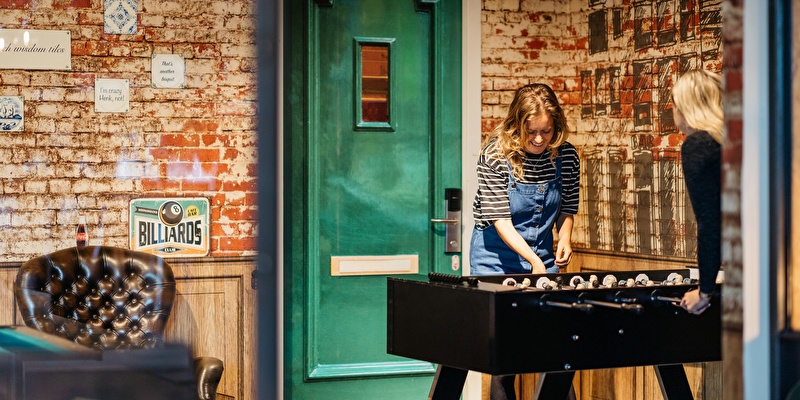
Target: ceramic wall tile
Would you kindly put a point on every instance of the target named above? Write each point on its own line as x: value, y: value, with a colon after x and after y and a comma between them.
x: 12, y: 113
x: 120, y: 16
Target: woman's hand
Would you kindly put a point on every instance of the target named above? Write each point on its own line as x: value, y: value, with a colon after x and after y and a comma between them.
x: 537, y: 266
x: 564, y: 247
x: 693, y: 303
x: 506, y: 231
x: 563, y: 253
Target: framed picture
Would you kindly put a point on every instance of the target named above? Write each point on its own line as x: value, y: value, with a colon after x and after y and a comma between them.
x: 170, y: 227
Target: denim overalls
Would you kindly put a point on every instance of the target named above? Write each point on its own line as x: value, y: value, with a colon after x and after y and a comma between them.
x: 534, y: 209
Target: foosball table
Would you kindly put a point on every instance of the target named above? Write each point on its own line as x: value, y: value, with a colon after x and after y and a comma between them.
x: 553, y: 324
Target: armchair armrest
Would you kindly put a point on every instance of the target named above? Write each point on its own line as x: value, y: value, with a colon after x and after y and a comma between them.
x: 208, y: 371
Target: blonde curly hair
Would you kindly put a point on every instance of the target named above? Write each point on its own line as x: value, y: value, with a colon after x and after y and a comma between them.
x: 529, y: 101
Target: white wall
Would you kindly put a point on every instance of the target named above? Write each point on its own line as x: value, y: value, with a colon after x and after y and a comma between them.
x: 471, y: 116
x: 470, y: 142
x: 755, y: 201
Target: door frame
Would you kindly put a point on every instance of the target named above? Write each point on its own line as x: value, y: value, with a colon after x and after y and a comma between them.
x: 470, y: 142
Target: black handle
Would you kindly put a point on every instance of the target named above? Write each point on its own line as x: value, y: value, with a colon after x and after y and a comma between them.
x: 453, y: 198
x: 454, y: 279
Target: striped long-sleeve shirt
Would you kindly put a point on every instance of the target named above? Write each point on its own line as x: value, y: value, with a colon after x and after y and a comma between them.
x: 491, y: 201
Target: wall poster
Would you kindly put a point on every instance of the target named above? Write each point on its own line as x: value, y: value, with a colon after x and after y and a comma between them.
x: 170, y: 227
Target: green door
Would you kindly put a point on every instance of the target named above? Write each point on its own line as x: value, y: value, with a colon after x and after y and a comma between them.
x: 372, y: 141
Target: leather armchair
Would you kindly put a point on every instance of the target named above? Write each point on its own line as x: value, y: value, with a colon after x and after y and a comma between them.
x: 105, y: 298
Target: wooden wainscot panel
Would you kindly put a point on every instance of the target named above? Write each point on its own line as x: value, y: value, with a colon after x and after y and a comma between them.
x: 526, y: 386
x: 636, y: 383
x: 609, y: 384
x: 214, y: 314
x: 9, y: 314
x: 705, y: 380
x: 588, y: 261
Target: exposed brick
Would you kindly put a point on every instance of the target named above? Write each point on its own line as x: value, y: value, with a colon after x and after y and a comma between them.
x: 238, y: 214
x: 179, y: 141
x: 170, y: 143
x: 160, y: 185
x: 200, y: 184
x: 536, y: 43
x: 511, y: 83
x: 12, y: 78
x: 216, y: 140
x: 220, y: 199
x: 246, y: 185
x: 548, y: 41
x: 237, y: 244
x: 151, y: 20
x: 490, y: 98
x: 71, y: 4
x: 55, y: 17
x: 523, y: 41
x: 199, y: 155
x: 16, y: 4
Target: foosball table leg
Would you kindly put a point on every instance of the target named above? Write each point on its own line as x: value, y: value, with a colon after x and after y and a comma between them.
x: 448, y: 383
x: 673, y: 382
x: 554, y: 385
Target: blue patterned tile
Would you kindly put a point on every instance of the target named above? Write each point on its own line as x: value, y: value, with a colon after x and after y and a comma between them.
x: 120, y: 16
x: 12, y: 113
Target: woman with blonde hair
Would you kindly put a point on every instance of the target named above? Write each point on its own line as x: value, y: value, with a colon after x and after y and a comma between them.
x: 528, y: 181
x: 697, y: 100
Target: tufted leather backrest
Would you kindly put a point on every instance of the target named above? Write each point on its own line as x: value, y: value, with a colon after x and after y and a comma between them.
x: 99, y: 296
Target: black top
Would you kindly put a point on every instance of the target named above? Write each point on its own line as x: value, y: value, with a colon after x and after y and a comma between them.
x: 701, y: 157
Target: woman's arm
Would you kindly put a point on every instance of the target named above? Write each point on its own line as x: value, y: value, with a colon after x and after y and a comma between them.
x: 570, y: 196
x: 564, y: 248
x: 516, y: 242
x: 701, y: 162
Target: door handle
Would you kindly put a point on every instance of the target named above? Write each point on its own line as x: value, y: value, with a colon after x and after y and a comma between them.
x: 452, y: 234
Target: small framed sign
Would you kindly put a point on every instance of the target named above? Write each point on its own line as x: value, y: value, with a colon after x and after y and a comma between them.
x: 111, y: 95
x: 170, y: 227
x: 167, y: 71
x: 35, y: 49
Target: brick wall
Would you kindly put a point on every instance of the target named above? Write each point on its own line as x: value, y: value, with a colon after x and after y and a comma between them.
x: 612, y: 63
x: 732, y: 301
x: 196, y: 141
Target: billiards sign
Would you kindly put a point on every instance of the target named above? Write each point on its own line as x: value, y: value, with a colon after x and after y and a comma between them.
x: 170, y: 227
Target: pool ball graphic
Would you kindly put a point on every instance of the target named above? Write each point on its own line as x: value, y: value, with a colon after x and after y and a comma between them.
x: 170, y: 213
